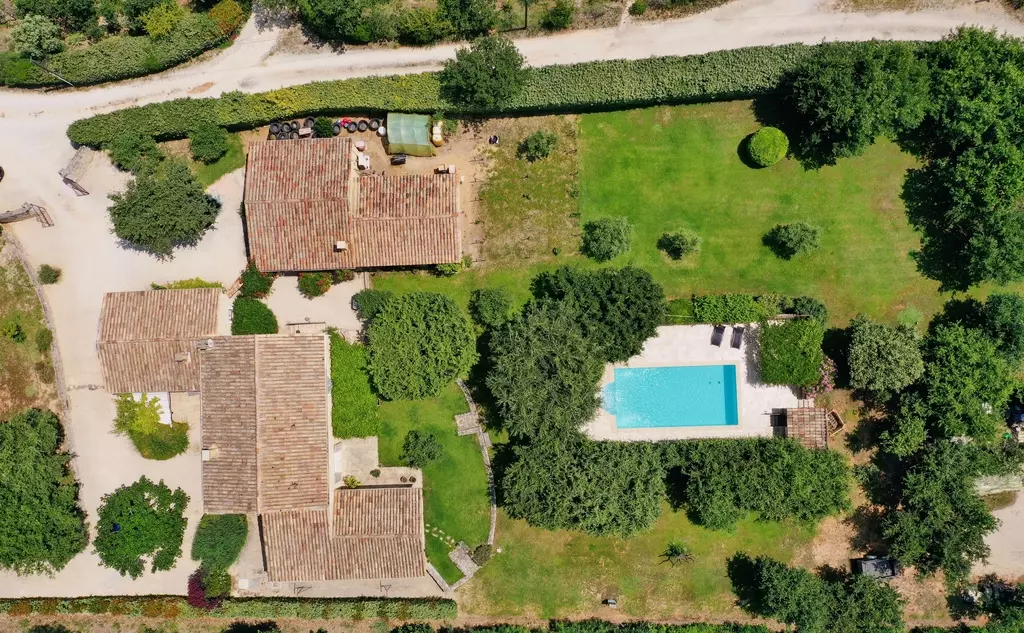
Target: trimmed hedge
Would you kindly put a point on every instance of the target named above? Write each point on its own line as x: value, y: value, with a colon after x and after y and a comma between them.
x: 734, y: 308
x: 117, y: 57
x: 590, y: 86
x: 255, y: 608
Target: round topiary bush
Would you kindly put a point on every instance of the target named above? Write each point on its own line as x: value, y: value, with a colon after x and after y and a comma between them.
x: 606, y: 238
x: 252, y: 316
x: 639, y: 7
x: 768, y: 146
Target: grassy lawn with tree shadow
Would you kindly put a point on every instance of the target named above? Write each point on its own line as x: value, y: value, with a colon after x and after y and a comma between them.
x: 233, y: 159
x: 455, y: 497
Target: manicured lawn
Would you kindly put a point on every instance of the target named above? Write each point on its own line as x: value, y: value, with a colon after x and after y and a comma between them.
x: 230, y: 161
x: 558, y: 574
x: 456, y: 500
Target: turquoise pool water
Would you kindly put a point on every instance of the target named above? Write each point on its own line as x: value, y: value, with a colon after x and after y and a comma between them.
x: 648, y: 397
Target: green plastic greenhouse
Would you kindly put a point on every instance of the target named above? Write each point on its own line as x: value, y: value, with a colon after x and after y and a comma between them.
x: 409, y: 134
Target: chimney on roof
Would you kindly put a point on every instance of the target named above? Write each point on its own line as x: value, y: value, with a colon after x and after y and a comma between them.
x: 182, y: 357
x: 205, y: 345
x: 341, y: 245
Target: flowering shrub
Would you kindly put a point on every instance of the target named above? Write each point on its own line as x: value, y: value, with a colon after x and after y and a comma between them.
x: 197, y: 593
x: 827, y: 383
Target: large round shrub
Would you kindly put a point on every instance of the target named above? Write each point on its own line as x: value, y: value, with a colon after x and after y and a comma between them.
x: 490, y: 307
x: 606, y: 238
x: 418, y: 344
x: 252, y: 316
x: 208, y: 142
x: 219, y: 540
x: 768, y: 146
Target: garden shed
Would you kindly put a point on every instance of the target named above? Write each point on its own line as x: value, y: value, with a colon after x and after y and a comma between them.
x: 409, y: 134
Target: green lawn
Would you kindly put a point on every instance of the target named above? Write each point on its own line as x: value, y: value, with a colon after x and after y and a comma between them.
x: 456, y: 499
x: 229, y: 162
x: 558, y: 574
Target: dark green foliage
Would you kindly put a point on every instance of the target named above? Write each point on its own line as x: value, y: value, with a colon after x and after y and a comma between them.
x: 133, y: 10
x: 606, y: 238
x: 354, y: 407
x: 791, y: 352
x: 679, y: 244
x: 219, y: 540
x: 208, y: 142
x: 323, y: 127
x: 42, y: 526
x: 482, y: 554
x: 368, y: 302
x: 544, y: 373
x: 809, y: 307
x: 490, y: 307
x: 469, y: 18
x: 602, y: 488
x: 909, y: 426
x: 937, y: 521
x: 252, y: 316
x: 616, y: 309
x: 140, y: 421
x: 315, y: 284
x: 537, y: 145
x: 134, y: 152
x: 338, y: 20
x: 845, y: 96
x: 966, y: 383
x: 419, y: 450
x: 44, y: 340
x: 883, y: 359
x: 768, y: 146
x: 559, y: 15
x: 718, y: 481
x: 733, y: 308
x: 162, y: 209
x: 143, y: 519
x: 789, y: 240
x: 488, y: 74
x: 842, y: 604
x: 421, y: 25
x: 638, y: 8
x: 1004, y: 318
x: 71, y: 15
x: 36, y: 37
x: 255, y: 284
x: 48, y: 274
x: 419, y: 343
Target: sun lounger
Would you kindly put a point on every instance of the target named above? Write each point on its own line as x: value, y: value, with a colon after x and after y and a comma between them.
x: 737, y: 337
x: 718, y: 335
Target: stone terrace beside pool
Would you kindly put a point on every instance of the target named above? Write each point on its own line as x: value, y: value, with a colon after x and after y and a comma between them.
x: 677, y: 345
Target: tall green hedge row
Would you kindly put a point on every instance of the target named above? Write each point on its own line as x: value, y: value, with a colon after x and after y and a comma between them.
x: 117, y: 57
x: 250, y: 608
x: 605, y: 85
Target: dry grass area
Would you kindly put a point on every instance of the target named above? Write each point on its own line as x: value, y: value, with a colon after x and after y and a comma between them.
x: 897, y: 5
x: 26, y: 374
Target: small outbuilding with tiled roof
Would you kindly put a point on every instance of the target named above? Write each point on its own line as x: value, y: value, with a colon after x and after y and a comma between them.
x: 307, y: 208
x: 808, y: 426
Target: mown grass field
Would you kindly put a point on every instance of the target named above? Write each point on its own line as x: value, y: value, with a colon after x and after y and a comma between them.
x: 455, y: 496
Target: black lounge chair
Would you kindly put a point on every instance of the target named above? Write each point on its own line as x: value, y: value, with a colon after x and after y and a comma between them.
x: 737, y: 337
x: 718, y: 335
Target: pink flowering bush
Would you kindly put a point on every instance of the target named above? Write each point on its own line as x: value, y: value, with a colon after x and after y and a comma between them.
x: 827, y: 382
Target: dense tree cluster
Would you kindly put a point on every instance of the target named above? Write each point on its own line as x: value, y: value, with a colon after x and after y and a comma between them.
x: 883, y: 358
x: 487, y: 74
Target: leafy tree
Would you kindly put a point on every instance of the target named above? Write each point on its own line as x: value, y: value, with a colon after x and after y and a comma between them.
x: 544, y: 373
x: 490, y: 307
x: 559, y: 15
x: 791, y: 352
x: 134, y: 152
x: 789, y: 240
x: 418, y: 343
x: 909, y: 429
x: 617, y: 309
x: 419, y: 450
x: 37, y: 37
x: 966, y: 383
x: 70, y: 15
x: 369, y: 301
x: 140, y: 421
x: 219, y: 540
x: 337, y: 19
x: 809, y: 307
x: 42, y: 526
x: 162, y: 210
x: 421, y: 25
x: 602, y: 488
x: 255, y: 284
x: 140, y: 521
x: 252, y: 316
x: 606, y: 238
x: 1004, y: 317
x: 537, y: 145
x: 937, y: 521
x: 844, y: 97
x: 768, y: 146
x: 161, y: 19
x: 134, y: 10
x: 313, y: 285
x: 679, y: 244
x: 469, y: 18
x: 883, y: 359
x: 638, y: 8
x: 207, y: 142
x: 485, y: 75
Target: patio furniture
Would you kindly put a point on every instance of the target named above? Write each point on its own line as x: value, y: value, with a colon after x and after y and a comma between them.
x: 718, y: 335
x: 737, y: 337
x: 835, y: 422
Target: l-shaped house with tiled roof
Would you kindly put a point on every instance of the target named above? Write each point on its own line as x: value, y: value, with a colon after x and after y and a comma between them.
x: 266, y: 441
x: 308, y: 208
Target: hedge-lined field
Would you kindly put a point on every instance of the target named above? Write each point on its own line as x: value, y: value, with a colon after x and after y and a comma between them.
x: 606, y: 85
x: 120, y: 57
x: 255, y: 608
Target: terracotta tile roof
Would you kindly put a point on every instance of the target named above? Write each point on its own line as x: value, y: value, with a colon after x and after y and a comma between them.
x: 158, y: 315
x: 299, y: 545
x: 808, y: 425
x: 142, y: 333
x: 303, y: 196
x: 229, y: 425
x: 294, y: 431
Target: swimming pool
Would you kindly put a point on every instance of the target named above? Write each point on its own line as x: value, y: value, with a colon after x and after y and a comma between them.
x: 695, y: 395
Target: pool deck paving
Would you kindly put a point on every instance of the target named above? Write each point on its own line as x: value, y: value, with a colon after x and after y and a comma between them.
x: 689, y: 345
